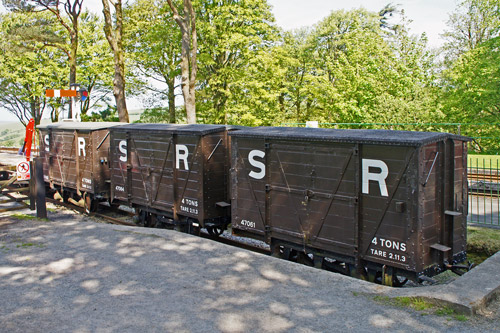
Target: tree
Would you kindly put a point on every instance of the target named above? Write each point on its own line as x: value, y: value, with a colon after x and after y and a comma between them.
x: 154, y: 45
x: 189, y: 66
x: 114, y: 33
x: 231, y: 34
x: 26, y: 68
x: 471, y: 92
x: 472, y: 23
x: 470, y: 80
x: 94, y: 64
x: 347, y: 70
x: 472, y: 87
x: 72, y: 9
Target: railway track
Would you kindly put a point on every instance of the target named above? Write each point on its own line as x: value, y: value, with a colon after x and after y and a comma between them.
x: 492, y: 178
x: 81, y: 210
x: 13, y: 150
x: 113, y: 220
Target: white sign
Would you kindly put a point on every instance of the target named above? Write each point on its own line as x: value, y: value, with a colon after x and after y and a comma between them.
x: 23, y: 171
x: 312, y: 124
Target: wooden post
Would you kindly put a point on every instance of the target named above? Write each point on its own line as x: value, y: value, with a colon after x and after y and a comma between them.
x: 32, y: 185
x: 41, y: 209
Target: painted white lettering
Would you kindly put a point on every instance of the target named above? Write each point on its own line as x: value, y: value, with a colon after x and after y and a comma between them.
x: 46, y: 139
x: 378, y: 177
x: 181, y: 153
x: 122, y: 146
x: 81, y: 147
x: 251, y: 159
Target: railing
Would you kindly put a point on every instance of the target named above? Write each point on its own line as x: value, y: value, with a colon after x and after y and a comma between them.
x: 484, y: 190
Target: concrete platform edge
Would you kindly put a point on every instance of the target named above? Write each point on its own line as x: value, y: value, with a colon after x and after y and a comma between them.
x: 468, y: 294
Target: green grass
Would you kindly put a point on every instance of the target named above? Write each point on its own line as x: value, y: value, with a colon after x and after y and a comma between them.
x: 421, y: 305
x: 23, y: 216
x: 26, y: 217
x: 28, y: 245
x: 484, y: 161
x: 482, y: 243
x: 416, y: 303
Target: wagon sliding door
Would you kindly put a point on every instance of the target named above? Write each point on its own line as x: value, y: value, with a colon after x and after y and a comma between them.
x: 312, y: 194
x: 63, y: 158
x: 150, y: 172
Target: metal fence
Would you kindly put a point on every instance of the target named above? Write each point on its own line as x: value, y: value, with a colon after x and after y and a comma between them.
x: 484, y: 190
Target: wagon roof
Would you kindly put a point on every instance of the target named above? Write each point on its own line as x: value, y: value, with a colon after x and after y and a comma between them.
x: 402, y: 138
x: 91, y: 126
x: 198, y: 129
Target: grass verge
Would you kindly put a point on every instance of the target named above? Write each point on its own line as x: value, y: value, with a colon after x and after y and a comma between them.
x: 26, y: 217
x: 421, y: 305
x: 483, y: 161
x: 482, y: 243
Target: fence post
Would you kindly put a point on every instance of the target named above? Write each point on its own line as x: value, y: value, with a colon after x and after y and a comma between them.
x: 41, y: 209
x: 32, y: 185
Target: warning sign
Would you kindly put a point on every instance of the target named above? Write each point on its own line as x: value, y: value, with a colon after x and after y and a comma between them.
x: 23, y: 171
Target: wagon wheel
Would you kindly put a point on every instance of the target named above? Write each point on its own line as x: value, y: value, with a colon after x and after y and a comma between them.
x: 140, y: 217
x: 215, y: 231
x: 113, y: 204
x: 281, y: 252
x: 390, y: 278
x: 57, y: 196
x: 61, y: 196
x: 4, y: 175
x: 398, y: 281
x: 65, y: 196
x: 304, y: 259
x: 374, y: 275
x: 151, y: 221
x: 90, y: 204
x: 145, y: 219
x: 194, y: 230
x: 358, y: 273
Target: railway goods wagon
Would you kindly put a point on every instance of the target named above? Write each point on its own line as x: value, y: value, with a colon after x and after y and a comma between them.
x: 381, y: 205
x: 75, y: 160
x: 173, y: 174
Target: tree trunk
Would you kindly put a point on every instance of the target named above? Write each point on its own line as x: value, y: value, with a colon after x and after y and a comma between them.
x: 114, y: 37
x: 72, y: 64
x: 171, y: 100
x: 73, y: 9
x: 189, y: 67
x: 119, y: 86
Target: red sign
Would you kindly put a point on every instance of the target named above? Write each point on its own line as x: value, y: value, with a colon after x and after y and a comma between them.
x: 23, y: 171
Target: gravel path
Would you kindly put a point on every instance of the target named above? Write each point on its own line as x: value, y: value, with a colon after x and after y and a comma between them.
x: 71, y: 274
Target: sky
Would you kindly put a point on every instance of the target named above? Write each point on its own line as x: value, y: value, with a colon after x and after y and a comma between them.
x: 427, y: 16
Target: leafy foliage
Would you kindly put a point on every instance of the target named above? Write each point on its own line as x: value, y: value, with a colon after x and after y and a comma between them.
x: 109, y: 114
x: 471, y: 82
x: 472, y: 23
x: 353, y: 66
x: 94, y: 64
x: 153, y: 43
x: 232, y: 33
x: 27, y: 68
